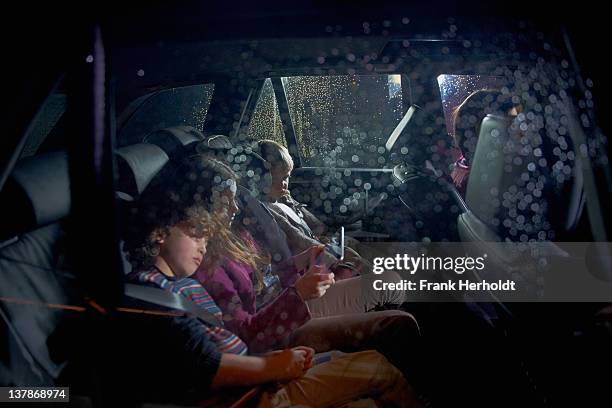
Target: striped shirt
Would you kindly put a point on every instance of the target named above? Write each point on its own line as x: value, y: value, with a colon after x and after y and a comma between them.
x: 227, y: 342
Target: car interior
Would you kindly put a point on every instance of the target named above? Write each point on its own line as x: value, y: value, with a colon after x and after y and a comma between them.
x: 363, y: 103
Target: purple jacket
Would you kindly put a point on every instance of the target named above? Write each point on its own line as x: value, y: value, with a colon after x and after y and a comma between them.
x: 231, y: 286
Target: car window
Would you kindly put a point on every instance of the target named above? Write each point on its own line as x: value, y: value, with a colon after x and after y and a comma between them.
x: 44, y: 122
x: 266, y: 121
x: 344, y: 121
x: 454, y: 89
x: 171, y: 107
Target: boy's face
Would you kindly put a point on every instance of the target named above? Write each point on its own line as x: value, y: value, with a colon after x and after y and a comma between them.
x: 182, y: 251
x: 280, y: 183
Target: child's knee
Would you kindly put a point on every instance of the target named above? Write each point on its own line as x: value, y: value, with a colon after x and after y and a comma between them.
x: 371, y: 357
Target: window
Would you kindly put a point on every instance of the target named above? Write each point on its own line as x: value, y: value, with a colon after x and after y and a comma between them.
x: 171, y: 107
x: 454, y: 89
x: 344, y: 121
x: 266, y: 121
x: 44, y: 122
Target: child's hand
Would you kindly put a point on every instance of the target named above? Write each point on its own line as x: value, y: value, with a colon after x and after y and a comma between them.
x: 287, y: 364
x: 309, y: 360
x: 314, y: 283
x: 307, y: 258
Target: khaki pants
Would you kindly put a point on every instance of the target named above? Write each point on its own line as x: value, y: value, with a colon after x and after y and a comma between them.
x: 391, y: 332
x: 356, y: 295
x: 344, y: 379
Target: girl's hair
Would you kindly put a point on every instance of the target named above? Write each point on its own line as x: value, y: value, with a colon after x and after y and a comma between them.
x: 276, y: 154
x: 201, y: 180
x: 473, y: 109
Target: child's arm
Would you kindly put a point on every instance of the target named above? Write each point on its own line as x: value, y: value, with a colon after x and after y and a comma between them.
x: 250, y: 370
x: 223, y: 285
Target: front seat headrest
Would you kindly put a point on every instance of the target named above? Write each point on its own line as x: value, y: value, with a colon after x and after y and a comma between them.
x: 216, y: 145
x: 174, y: 140
x: 513, y: 187
x: 137, y: 165
x: 37, y: 193
x: 488, y: 177
x: 219, y: 142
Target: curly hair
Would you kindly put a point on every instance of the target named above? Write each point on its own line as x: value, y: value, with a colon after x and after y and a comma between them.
x: 214, y: 177
x: 197, y: 182
x: 182, y: 196
x: 150, y: 222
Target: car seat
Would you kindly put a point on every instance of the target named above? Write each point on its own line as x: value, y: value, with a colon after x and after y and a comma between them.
x: 38, y: 288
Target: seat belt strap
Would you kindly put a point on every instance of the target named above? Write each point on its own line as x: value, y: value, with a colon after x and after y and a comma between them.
x: 171, y: 300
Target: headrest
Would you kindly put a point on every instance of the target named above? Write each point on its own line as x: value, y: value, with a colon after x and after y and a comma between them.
x: 252, y: 171
x: 219, y: 142
x: 137, y: 165
x: 244, y: 160
x: 37, y: 193
x: 513, y: 186
x: 489, y: 179
x: 216, y: 144
x: 173, y: 140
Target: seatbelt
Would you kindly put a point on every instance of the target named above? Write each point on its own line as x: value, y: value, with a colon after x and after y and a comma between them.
x: 175, y: 301
x: 171, y: 300
x: 293, y: 215
x: 270, y: 232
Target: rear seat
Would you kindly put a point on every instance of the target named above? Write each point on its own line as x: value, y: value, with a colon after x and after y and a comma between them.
x: 34, y: 269
x: 38, y: 289
x: 176, y: 140
x: 137, y: 166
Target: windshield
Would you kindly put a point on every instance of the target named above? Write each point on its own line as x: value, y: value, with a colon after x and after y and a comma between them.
x: 344, y: 121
